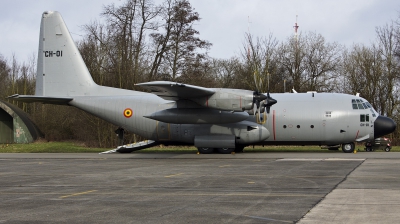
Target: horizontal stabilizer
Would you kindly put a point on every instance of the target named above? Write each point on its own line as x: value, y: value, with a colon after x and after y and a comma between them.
x: 132, y: 147
x: 41, y: 99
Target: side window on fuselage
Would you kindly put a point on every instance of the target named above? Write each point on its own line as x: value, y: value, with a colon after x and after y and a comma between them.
x: 364, y: 117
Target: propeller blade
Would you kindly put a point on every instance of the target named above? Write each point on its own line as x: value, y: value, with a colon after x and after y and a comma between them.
x: 258, y: 96
x: 269, y: 101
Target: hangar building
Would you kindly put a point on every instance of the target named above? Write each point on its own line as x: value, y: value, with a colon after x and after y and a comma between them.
x: 15, y: 125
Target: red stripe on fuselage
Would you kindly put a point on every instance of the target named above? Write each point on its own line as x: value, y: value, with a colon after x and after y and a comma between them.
x: 273, y: 124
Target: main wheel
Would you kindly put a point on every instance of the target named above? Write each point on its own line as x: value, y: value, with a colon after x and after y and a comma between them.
x: 387, y: 149
x: 204, y: 150
x: 368, y: 149
x: 348, y: 147
x: 226, y: 150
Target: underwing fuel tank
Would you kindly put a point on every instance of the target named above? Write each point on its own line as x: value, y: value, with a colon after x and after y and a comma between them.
x: 197, y: 116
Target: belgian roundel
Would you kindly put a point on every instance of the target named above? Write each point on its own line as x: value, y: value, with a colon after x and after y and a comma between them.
x: 128, y: 112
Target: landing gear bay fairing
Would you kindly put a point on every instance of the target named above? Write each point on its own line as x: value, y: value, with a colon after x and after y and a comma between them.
x: 220, y: 119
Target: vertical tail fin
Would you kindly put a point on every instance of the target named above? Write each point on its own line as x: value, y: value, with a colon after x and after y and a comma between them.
x: 61, y: 70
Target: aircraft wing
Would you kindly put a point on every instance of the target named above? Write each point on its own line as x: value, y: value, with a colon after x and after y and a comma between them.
x: 174, y: 91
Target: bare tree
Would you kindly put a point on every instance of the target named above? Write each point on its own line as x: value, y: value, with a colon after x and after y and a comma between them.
x: 225, y: 70
x: 4, y: 77
x: 161, y: 39
x: 389, y: 90
x: 362, y: 72
x: 177, y: 48
x: 96, y: 52
x: 120, y: 43
x: 148, y: 13
x: 310, y: 63
x: 261, y: 63
x: 292, y: 56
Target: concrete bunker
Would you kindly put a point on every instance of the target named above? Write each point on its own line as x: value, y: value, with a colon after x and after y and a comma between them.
x: 16, y: 126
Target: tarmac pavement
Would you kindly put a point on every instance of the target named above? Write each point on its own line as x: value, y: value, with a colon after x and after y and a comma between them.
x: 190, y: 188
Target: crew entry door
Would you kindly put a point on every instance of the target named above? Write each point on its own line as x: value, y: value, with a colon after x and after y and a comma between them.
x: 163, y: 131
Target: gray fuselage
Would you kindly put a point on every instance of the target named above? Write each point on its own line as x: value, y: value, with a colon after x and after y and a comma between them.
x: 298, y: 118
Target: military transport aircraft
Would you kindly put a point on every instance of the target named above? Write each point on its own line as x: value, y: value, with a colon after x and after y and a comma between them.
x: 209, y: 118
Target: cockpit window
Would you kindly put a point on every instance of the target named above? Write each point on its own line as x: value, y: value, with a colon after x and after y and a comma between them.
x: 365, y: 105
x: 359, y: 104
x: 373, y: 114
x: 354, y: 103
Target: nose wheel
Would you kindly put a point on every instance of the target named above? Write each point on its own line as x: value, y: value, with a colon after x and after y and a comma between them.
x: 348, y: 147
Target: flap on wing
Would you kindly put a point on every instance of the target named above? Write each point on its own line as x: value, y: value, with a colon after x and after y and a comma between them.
x: 173, y: 91
x: 41, y: 99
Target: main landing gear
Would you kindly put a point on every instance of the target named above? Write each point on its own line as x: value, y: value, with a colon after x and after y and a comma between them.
x: 205, y: 150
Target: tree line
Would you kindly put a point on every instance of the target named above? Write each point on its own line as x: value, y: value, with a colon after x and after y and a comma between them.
x: 140, y: 41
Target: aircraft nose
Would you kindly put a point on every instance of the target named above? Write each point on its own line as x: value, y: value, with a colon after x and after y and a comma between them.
x: 383, y: 126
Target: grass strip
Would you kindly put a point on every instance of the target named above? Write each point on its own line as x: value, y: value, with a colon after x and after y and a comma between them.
x: 73, y: 147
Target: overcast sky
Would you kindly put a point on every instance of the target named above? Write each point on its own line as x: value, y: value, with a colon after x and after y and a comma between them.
x: 223, y: 23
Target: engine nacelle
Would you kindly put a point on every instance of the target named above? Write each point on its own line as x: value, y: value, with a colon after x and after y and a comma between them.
x: 228, y: 99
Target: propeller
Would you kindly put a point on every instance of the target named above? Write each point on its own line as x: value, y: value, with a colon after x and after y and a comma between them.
x: 269, y: 101
x: 257, y: 98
